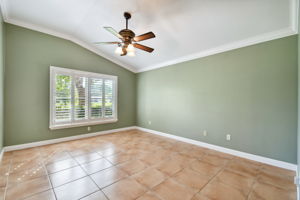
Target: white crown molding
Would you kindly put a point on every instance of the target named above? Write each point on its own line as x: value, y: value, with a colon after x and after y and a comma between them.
x: 64, y: 139
x: 4, y: 10
x: 70, y: 38
x: 292, y: 30
x: 227, y: 47
x: 241, y: 154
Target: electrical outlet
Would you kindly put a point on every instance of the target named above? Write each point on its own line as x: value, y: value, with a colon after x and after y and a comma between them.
x: 89, y: 128
x: 228, y: 137
x: 204, y: 133
x: 149, y: 122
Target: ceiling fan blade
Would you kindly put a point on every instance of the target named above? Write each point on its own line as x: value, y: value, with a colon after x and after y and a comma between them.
x: 143, y: 47
x: 107, y: 42
x: 144, y: 36
x: 113, y: 31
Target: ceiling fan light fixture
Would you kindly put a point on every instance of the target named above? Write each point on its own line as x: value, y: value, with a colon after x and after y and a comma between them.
x: 129, y: 40
x: 119, y: 50
x: 131, y: 53
x: 130, y: 48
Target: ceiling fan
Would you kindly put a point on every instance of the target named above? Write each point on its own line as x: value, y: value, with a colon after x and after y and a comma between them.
x: 128, y: 39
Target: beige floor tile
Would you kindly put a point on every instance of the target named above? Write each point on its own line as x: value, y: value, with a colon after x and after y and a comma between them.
x: 61, y: 165
x: 146, y: 165
x: 76, y: 189
x: 284, y: 182
x: 200, y: 197
x: 2, y: 191
x: 67, y: 175
x: 110, y: 151
x: 108, y: 176
x: 170, y: 189
x: 205, y: 168
x: 150, y: 177
x: 191, y: 179
x: 95, y: 196
x: 219, y: 154
x: 87, y: 158
x: 21, y: 176
x: 96, y: 166
x: 4, y: 169
x: 26, y: 165
x: 119, y: 158
x: 47, y: 195
x: 267, y: 191
x: 148, y: 196
x: 239, y: 181
x: 183, y: 160
x: 3, y: 181
x: 169, y: 167
x: 152, y: 159
x: 218, y: 190
x: 7, y: 156
x: 278, y: 171
x: 243, y: 168
x: 28, y: 188
x: 215, y: 159
x: 197, y: 154
x: 78, y: 152
x: 126, y: 189
x: 245, y: 161
x: 133, y: 167
x: 25, y: 152
x: 22, y: 158
x: 56, y: 156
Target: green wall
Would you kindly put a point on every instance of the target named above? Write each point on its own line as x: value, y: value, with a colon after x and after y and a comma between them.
x: 250, y: 93
x: 28, y: 57
x: 2, y: 55
x: 298, y: 101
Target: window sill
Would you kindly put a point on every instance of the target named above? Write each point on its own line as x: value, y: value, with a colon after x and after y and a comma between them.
x: 107, y: 121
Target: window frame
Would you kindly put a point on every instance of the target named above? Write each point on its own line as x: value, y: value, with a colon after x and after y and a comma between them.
x: 73, y: 73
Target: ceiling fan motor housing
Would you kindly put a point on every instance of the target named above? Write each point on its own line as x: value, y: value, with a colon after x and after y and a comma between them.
x: 128, y: 37
x: 127, y: 34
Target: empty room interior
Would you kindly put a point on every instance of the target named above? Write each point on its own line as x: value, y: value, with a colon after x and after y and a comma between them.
x: 149, y: 100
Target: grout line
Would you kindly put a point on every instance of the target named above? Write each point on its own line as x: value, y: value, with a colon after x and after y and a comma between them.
x: 254, y: 182
x: 213, y: 177
x: 88, y: 175
x: 52, y: 188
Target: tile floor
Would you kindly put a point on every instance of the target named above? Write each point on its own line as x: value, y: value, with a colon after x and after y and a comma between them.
x: 137, y: 165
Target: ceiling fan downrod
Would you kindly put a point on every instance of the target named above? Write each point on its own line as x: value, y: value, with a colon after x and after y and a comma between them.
x: 127, y: 16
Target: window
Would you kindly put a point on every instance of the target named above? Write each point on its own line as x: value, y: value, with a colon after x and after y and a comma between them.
x: 79, y: 98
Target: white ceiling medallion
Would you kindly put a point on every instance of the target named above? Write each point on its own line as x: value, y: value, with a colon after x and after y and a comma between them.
x: 184, y: 31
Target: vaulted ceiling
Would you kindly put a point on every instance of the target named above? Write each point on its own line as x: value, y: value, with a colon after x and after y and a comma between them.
x: 185, y: 29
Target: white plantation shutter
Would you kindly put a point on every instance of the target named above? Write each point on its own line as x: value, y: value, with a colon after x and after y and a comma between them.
x: 108, y: 98
x: 80, y: 98
x: 96, y: 100
x: 63, y: 98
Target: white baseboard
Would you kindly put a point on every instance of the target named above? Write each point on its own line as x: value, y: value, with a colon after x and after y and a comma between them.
x: 1, y: 154
x: 58, y: 140
x: 249, y: 156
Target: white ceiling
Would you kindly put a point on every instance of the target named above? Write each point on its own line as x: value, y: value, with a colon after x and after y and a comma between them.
x: 185, y: 29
